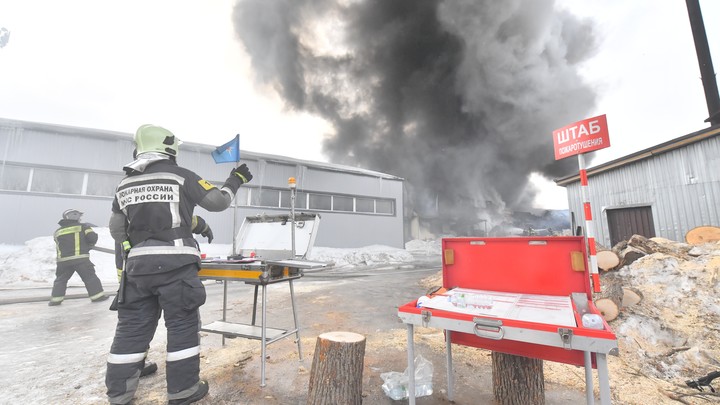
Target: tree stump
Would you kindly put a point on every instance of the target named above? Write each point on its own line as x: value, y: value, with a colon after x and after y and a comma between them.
x: 517, y: 380
x: 336, y: 374
x: 702, y: 234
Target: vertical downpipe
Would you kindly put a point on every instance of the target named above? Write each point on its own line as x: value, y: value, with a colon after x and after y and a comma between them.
x: 707, y: 73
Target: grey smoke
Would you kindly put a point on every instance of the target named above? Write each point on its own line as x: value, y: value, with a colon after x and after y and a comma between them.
x: 4, y: 36
x: 459, y: 97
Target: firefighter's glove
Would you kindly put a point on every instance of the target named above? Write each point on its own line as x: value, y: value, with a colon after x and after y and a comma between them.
x: 238, y: 176
x: 119, y: 274
x: 199, y: 226
x: 207, y: 232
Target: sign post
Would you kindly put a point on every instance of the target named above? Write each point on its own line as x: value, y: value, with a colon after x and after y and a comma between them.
x: 576, y: 139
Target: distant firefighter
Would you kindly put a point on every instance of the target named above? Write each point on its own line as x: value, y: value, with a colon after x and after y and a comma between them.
x: 73, y: 241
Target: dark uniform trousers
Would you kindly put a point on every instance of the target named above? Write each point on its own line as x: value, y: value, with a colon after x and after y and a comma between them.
x: 85, y: 269
x: 178, y: 294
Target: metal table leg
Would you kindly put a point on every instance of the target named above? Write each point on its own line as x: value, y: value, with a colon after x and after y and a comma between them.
x: 254, y: 305
x: 603, y: 378
x: 411, y: 364
x: 297, y: 326
x: 589, y: 396
x: 224, y: 306
x: 450, y: 374
x: 263, y: 335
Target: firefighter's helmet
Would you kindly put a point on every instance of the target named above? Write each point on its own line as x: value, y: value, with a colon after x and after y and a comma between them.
x: 151, y: 138
x: 71, y: 214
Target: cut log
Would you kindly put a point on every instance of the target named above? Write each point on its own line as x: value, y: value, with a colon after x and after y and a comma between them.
x: 631, y: 296
x: 619, y: 246
x: 336, y: 375
x: 702, y: 234
x: 649, y: 246
x: 608, y: 308
x: 607, y: 260
x: 517, y: 380
x: 609, y: 300
x: 629, y: 255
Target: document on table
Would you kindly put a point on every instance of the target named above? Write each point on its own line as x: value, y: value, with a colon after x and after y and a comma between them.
x: 547, y: 309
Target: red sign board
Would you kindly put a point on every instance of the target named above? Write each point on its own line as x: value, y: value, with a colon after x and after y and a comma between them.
x: 581, y: 137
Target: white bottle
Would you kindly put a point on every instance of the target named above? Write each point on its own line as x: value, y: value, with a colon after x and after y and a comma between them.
x: 458, y: 300
x: 592, y: 321
x: 480, y: 301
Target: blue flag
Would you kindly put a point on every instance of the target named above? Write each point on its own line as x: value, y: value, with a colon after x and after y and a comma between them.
x: 229, y: 152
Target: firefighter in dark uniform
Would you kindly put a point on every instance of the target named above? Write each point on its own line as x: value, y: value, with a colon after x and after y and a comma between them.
x: 73, y: 241
x: 152, y: 214
x: 200, y: 227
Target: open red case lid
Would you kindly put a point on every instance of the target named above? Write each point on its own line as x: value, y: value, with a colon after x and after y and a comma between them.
x: 553, y: 265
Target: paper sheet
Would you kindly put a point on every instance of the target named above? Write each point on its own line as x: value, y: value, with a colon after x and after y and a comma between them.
x: 546, y: 309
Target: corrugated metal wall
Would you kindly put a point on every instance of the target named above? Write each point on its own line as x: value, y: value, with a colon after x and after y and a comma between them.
x: 27, y: 215
x: 681, y: 186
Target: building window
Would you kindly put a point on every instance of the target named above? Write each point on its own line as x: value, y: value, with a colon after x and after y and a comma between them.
x: 320, y: 202
x: 102, y: 184
x: 341, y: 203
x: 365, y: 205
x: 280, y: 198
x: 57, y: 181
x: 14, y: 177
x: 384, y: 207
x: 300, y: 199
x: 266, y: 197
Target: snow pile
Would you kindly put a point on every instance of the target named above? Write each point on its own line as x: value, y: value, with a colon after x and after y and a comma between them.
x: 366, y: 256
x: 424, y: 247
x: 672, y: 332
x: 377, y: 254
x: 33, y: 264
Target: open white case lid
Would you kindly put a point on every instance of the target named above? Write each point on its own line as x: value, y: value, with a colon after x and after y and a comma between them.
x: 270, y: 236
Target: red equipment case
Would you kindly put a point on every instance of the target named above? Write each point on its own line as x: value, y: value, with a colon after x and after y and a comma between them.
x: 533, y: 267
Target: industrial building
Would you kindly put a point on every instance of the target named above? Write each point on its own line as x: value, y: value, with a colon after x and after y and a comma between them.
x: 46, y: 169
x: 665, y: 190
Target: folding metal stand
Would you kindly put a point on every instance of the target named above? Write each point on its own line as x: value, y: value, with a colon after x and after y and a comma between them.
x: 266, y: 246
x: 262, y: 332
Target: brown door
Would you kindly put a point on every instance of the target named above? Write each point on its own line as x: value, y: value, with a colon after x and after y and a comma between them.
x: 626, y: 222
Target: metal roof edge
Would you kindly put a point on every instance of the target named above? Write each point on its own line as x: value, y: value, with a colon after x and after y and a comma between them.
x: 644, y: 154
x: 62, y: 128
x: 93, y: 132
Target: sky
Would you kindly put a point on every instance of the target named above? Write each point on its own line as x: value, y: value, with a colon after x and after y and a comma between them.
x: 179, y: 64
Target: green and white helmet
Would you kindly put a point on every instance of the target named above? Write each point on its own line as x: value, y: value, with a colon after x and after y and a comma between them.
x: 151, y: 138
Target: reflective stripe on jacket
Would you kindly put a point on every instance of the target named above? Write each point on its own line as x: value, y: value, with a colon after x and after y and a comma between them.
x: 73, y: 240
x: 158, y: 205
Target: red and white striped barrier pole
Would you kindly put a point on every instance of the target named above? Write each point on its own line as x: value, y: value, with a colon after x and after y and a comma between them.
x: 589, y: 228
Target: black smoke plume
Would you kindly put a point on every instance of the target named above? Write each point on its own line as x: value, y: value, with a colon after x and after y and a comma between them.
x: 459, y: 97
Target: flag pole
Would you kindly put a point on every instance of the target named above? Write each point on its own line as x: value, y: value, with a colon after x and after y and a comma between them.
x: 234, y: 233
x: 589, y: 227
